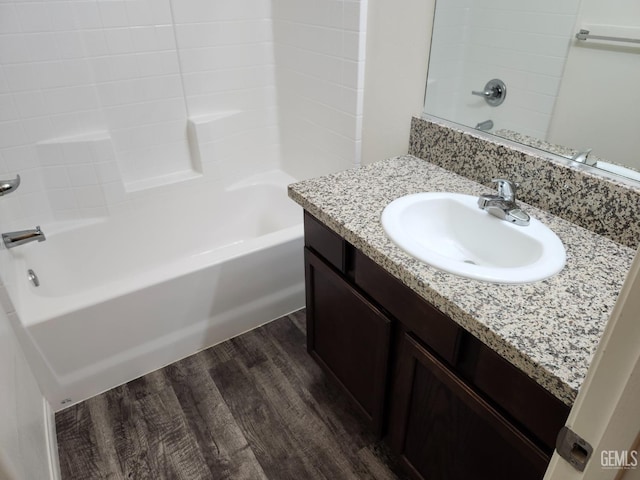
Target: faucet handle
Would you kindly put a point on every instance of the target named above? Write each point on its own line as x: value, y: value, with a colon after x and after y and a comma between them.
x: 8, y: 186
x: 506, y: 189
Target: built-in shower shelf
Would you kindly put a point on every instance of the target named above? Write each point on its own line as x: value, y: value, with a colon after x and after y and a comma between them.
x: 162, y: 180
x: 90, y: 147
x: 77, y: 170
x: 206, y: 130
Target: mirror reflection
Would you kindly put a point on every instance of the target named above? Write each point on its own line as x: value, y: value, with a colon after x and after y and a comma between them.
x: 559, y: 75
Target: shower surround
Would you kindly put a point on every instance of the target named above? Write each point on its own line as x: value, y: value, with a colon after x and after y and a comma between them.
x: 127, y: 118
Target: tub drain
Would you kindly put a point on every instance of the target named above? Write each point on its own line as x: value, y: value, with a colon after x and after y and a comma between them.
x: 471, y: 262
x: 33, y: 278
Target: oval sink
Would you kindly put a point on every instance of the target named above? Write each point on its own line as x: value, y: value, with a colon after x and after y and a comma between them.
x: 450, y: 232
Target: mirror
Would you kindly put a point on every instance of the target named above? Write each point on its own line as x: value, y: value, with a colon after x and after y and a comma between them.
x: 514, y: 68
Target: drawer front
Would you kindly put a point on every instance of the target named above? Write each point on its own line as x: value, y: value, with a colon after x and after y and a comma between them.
x: 324, y: 241
x: 435, y: 329
x: 521, y: 397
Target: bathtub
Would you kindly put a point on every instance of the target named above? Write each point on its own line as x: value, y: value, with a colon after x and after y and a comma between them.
x: 121, y: 297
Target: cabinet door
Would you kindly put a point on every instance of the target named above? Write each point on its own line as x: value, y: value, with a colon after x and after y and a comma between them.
x: 444, y: 430
x: 348, y: 337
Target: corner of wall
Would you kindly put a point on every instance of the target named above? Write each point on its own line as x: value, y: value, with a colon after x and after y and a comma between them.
x: 320, y: 58
x: 52, y: 442
x: 397, y: 54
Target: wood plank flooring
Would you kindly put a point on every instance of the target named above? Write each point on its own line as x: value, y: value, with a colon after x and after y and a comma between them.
x: 254, y: 407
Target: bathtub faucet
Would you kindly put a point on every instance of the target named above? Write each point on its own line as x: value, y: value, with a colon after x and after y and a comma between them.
x: 13, y: 239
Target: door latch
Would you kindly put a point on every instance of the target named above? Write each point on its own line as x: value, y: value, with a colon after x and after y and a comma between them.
x: 573, y: 448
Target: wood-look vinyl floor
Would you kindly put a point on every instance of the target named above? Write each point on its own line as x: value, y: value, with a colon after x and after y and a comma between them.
x: 254, y: 407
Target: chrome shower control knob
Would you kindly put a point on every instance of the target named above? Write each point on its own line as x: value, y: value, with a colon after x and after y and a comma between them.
x: 494, y: 93
x: 8, y: 186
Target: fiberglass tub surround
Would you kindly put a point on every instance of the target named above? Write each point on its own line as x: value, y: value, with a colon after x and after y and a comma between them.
x: 137, y: 129
x: 123, y: 296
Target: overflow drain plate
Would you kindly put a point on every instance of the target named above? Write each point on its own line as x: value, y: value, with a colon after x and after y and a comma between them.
x: 33, y: 278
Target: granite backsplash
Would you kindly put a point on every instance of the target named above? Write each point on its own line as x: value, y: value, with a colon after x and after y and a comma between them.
x: 605, y: 206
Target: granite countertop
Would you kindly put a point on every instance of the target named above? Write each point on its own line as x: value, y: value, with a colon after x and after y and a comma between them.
x: 549, y: 329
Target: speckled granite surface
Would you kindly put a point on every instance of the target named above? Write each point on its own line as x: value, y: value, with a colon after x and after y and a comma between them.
x: 562, y: 150
x: 602, y: 164
x: 562, y: 187
x: 548, y: 329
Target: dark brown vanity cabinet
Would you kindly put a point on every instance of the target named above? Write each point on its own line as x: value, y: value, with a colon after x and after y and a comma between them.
x: 348, y: 336
x: 450, y: 406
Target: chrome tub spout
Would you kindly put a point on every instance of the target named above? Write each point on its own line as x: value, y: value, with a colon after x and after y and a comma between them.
x: 13, y: 239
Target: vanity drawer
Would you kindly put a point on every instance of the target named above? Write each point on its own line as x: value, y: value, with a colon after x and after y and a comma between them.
x: 432, y: 327
x: 519, y: 396
x: 325, y: 242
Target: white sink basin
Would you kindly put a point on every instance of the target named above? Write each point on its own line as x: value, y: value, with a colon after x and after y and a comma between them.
x: 450, y: 232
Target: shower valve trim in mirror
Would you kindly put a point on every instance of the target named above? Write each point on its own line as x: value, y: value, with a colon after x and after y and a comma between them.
x: 8, y: 186
x: 495, y: 91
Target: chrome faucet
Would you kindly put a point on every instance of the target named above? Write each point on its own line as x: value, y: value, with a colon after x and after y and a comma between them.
x: 583, y: 157
x: 13, y: 239
x: 485, y: 126
x: 503, y: 205
x: 8, y: 186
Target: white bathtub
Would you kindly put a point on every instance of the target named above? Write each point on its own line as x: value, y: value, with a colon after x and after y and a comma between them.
x: 125, y: 296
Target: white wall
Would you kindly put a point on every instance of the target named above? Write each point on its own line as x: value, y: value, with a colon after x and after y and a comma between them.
x: 522, y: 43
x: 99, y: 97
x: 23, y: 431
x: 397, y: 53
x: 319, y: 53
x: 101, y: 101
x: 595, y: 67
x: 227, y: 61
x: 71, y: 69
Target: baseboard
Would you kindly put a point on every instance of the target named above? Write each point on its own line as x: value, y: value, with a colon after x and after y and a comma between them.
x: 52, y: 442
